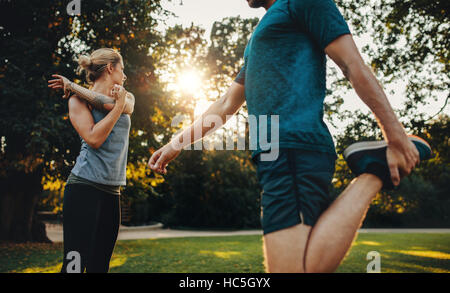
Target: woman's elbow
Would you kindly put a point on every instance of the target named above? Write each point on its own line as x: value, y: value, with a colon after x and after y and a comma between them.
x: 94, y: 143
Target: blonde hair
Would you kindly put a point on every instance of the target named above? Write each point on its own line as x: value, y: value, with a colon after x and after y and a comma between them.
x: 95, y: 64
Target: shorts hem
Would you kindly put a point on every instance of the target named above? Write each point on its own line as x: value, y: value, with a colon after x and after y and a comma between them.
x: 281, y: 226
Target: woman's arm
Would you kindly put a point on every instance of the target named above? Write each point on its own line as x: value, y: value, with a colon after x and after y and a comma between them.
x: 93, y: 133
x: 97, y: 100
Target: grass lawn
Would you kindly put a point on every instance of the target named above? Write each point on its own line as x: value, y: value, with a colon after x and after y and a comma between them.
x: 400, y: 253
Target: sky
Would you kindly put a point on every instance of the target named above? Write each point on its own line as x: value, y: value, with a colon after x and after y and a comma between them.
x: 203, y: 13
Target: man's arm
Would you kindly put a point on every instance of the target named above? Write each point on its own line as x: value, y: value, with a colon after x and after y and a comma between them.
x: 223, y: 108
x: 401, y: 152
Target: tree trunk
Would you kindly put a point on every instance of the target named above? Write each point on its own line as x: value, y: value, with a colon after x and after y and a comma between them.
x: 18, y: 201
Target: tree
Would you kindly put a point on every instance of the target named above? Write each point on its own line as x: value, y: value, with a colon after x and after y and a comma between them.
x: 229, y: 38
x: 207, y: 188
x: 410, y: 42
x: 37, y: 39
x: 32, y: 128
x: 423, y: 198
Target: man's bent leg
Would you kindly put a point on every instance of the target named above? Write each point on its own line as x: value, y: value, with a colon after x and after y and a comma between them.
x: 284, y: 249
x: 333, y: 234
x: 321, y: 248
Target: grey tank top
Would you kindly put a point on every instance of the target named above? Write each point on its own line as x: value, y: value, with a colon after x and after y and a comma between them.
x: 107, y: 164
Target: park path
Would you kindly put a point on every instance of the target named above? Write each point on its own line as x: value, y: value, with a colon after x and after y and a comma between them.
x: 55, y: 232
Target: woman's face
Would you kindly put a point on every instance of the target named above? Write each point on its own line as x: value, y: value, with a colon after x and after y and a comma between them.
x: 117, y: 75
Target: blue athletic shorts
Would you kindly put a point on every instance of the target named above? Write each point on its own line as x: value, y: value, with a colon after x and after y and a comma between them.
x: 295, y: 187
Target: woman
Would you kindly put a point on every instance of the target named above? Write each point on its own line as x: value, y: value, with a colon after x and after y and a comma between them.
x: 91, y: 207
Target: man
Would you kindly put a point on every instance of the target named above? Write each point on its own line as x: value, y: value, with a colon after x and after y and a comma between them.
x: 305, y: 230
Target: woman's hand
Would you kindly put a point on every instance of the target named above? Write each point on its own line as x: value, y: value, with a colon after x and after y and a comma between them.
x: 159, y: 160
x: 60, y: 83
x: 119, y: 93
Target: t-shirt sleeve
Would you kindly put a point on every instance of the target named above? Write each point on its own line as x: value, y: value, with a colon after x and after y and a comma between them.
x: 320, y: 18
x: 240, y: 78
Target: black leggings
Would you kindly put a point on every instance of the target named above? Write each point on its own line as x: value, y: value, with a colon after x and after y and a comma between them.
x: 91, y: 219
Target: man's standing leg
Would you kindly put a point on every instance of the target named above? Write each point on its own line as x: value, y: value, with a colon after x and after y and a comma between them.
x: 284, y: 250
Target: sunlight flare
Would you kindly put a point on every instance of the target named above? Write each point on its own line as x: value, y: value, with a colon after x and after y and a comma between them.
x: 189, y: 81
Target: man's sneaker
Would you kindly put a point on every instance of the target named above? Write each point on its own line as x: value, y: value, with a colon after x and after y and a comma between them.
x: 370, y: 157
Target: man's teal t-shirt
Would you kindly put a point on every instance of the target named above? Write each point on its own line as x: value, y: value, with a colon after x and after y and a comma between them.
x: 285, y: 69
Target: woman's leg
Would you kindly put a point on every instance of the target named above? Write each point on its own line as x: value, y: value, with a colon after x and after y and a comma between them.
x: 80, y: 211
x: 106, y: 234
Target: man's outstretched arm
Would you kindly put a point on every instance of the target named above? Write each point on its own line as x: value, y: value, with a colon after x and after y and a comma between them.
x: 218, y: 114
x: 402, y: 154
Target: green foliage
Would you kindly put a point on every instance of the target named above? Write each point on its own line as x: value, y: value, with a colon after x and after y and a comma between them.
x: 232, y: 190
x: 410, y: 42
x: 213, y: 189
x: 423, y: 198
x: 229, y: 38
x: 140, y: 195
x: 182, y: 49
x: 33, y: 123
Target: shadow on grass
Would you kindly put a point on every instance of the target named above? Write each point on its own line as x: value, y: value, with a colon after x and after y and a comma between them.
x: 401, y: 253
x: 31, y: 257
x: 193, y: 255
x: 406, y: 253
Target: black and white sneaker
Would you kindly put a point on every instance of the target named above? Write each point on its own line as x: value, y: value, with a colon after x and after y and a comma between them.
x: 370, y: 157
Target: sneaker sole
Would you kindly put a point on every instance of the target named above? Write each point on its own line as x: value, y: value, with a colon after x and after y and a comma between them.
x: 372, y: 145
